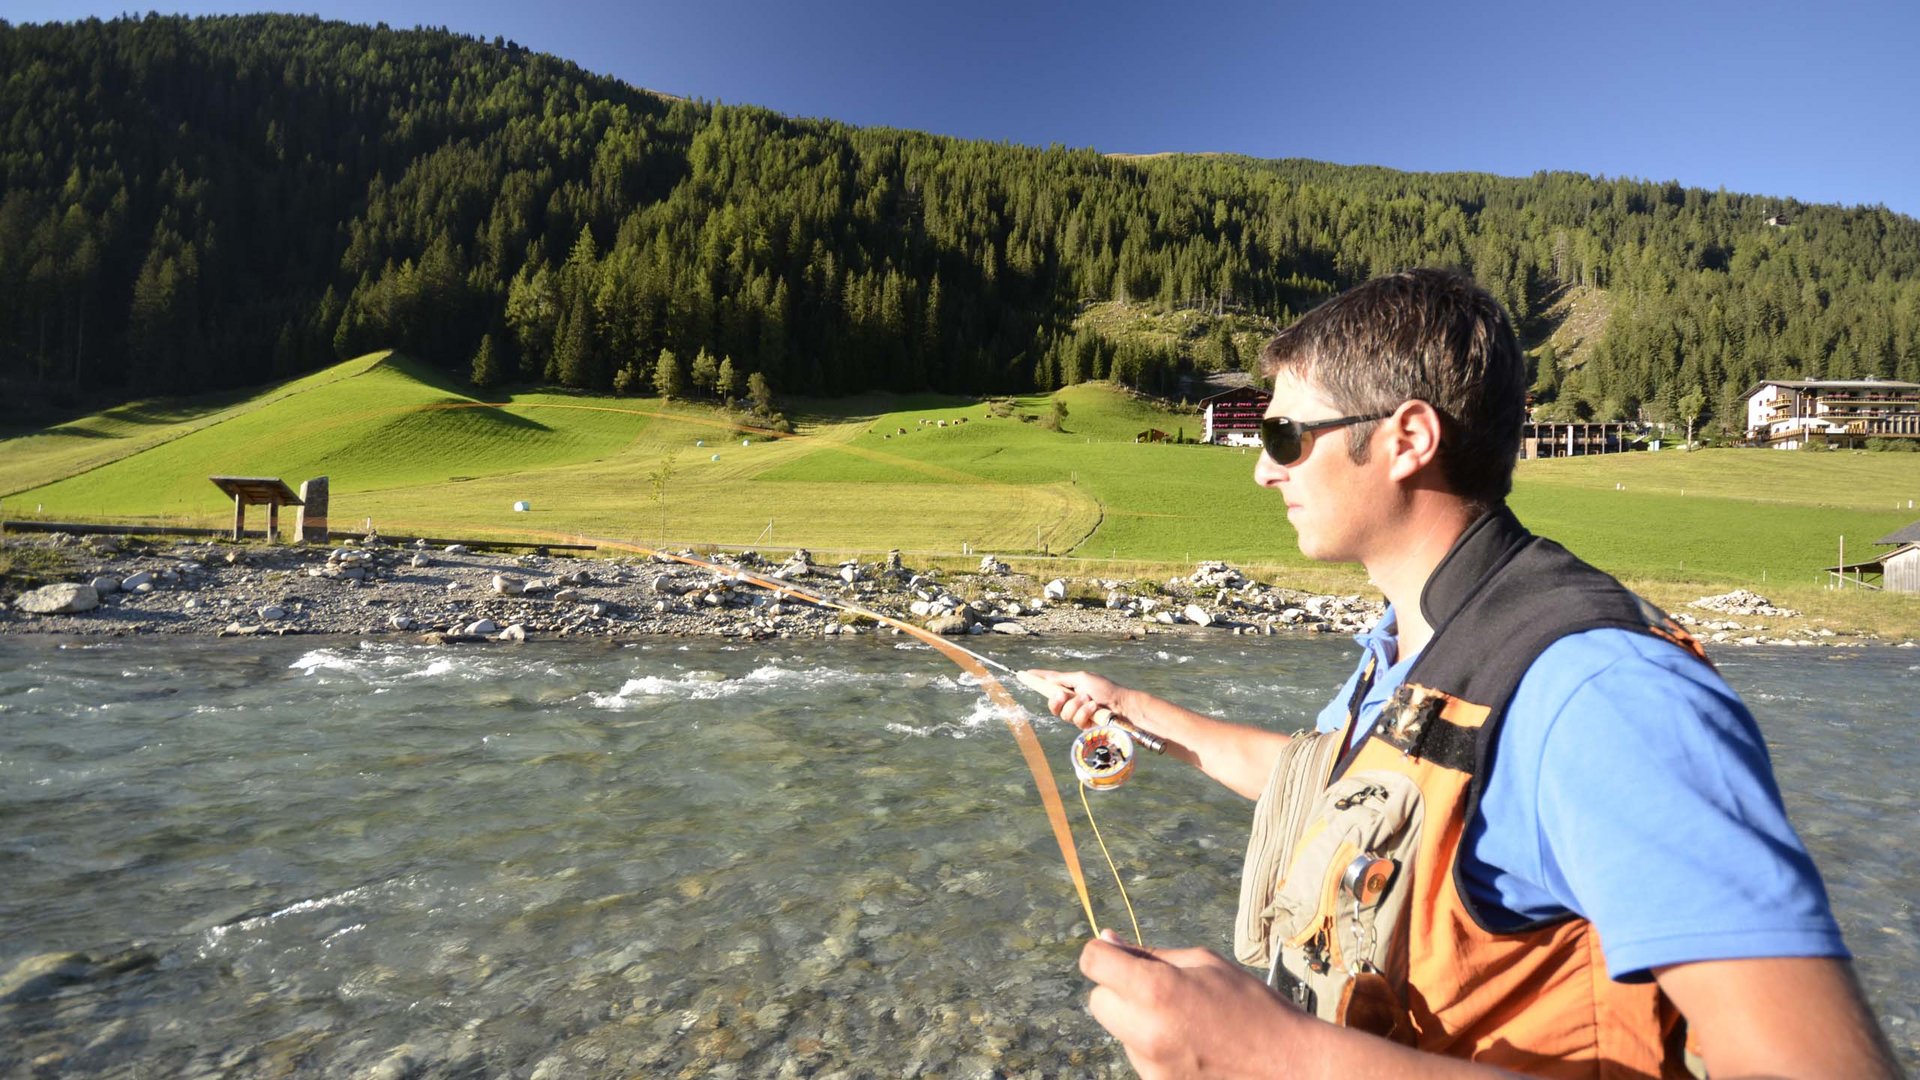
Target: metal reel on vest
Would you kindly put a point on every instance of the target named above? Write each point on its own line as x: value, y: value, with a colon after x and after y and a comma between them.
x: 1103, y: 757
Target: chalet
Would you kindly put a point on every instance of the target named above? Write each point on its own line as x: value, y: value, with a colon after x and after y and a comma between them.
x: 1233, y: 416
x: 1151, y: 435
x: 1787, y: 414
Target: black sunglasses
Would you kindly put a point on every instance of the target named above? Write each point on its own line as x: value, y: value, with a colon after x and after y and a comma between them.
x: 1286, y: 440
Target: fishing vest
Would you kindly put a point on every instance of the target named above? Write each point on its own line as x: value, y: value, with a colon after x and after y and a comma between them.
x: 1352, y: 892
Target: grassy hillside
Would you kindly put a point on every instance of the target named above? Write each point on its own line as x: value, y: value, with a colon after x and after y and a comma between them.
x: 413, y: 452
x: 34, y: 459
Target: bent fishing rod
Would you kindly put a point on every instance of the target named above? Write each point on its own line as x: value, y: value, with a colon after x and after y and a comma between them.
x: 1103, y: 755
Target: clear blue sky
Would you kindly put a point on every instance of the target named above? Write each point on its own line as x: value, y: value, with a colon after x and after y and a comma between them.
x: 1820, y: 102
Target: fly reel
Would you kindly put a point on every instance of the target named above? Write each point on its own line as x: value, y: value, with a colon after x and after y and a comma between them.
x: 1103, y: 757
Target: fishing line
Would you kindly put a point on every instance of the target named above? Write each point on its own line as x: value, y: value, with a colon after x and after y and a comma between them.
x: 1137, y: 940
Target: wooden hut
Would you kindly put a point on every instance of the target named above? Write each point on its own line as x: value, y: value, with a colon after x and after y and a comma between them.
x: 1900, y: 568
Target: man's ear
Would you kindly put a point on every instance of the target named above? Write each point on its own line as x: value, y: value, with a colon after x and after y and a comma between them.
x: 1412, y: 439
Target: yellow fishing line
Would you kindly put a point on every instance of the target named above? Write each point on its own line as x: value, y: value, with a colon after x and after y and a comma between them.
x: 1114, y: 869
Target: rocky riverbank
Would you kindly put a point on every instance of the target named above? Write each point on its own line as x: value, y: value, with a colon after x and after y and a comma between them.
x: 452, y: 594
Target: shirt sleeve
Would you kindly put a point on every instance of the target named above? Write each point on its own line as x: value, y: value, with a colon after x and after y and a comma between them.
x: 1654, y: 812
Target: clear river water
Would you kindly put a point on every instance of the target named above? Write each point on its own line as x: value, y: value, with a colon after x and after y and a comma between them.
x: 685, y: 858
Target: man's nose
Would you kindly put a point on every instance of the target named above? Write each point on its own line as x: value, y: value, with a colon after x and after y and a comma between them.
x: 1266, y: 473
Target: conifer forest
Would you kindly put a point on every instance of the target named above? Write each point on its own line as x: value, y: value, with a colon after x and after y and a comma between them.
x: 192, y: 204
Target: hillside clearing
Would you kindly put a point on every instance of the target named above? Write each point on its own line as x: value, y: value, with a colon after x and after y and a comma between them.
x: 408, y: 450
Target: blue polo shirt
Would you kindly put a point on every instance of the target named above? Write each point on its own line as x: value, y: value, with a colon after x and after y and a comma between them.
x: 1631, y: 787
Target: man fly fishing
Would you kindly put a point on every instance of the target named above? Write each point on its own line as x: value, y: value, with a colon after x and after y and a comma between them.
x: 1535, y: 830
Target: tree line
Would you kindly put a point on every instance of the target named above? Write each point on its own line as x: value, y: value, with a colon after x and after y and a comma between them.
x: 197, y: 203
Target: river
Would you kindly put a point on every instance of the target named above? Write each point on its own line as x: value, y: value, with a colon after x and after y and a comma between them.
x: 683, y: 857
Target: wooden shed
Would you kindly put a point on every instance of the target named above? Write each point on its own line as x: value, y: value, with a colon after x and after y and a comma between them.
x: 1900, y: 568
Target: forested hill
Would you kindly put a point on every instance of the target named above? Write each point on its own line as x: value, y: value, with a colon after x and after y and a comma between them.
x: 200, y: 203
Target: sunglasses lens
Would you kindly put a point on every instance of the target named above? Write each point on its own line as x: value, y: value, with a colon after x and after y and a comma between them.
x: 1280, y: 437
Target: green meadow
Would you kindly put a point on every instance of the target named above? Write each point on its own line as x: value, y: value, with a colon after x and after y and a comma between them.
x: 414, y: 452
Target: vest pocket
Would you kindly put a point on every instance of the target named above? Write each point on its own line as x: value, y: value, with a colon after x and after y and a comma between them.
x: 1334, y: 924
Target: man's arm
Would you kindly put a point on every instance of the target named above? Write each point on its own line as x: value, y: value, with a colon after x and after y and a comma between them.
x: 1779, y: 1017
x: 1192, y: 1013
x: 1238, y: 756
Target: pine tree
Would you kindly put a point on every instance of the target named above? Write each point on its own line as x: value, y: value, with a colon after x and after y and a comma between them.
x: 760, y: 393
x: 573, y: 360
x: 667, y: 379
x: 489, y: 369
x: 706, y: 372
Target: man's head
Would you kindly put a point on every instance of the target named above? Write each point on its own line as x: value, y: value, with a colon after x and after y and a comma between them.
x: 1426, y: 335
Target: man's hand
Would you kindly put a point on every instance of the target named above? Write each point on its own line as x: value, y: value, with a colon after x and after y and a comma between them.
x: 1234, y: 754
x: 1188, y: 1012
x: 1076, y: 696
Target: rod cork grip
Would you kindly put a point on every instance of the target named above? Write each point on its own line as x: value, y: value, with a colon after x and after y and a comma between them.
x: 1103, y: 715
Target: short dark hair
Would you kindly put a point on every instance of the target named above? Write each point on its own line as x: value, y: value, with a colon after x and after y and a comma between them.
x: 1426, y: 335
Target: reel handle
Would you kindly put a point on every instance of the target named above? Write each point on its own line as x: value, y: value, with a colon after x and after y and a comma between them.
x: 1101, y: 716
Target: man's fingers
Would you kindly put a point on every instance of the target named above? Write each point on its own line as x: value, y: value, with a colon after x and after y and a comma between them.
x: 1115, y: 963
x: 1111, y: 1011
x: 1192, y: 958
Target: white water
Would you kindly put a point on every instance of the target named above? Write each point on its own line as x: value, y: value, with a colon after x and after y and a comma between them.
x: 682, y: 856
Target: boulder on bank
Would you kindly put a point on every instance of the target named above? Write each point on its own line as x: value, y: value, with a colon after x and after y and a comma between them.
x: 949, y: 625
x: 1742, y: 602
x: 65, y: 598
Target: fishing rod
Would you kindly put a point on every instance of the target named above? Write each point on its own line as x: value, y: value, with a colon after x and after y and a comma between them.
x: 1103, y: 755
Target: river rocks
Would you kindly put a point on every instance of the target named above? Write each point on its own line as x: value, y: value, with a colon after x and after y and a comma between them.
x: 457, y: 549
x: 39, y: 977
x: 1217, y: 575
x: 508, y: 586
x: 481, y: 628
x: 516, y: 632
x: 273, y: 613
x: 949, y: 624
x: 106, y: 584
x: 64, y: 598
x: 133, y: 581
x: 420, y: 560
x: 634, y: 597
x: 991, y: 565
x: 1743, y: 602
